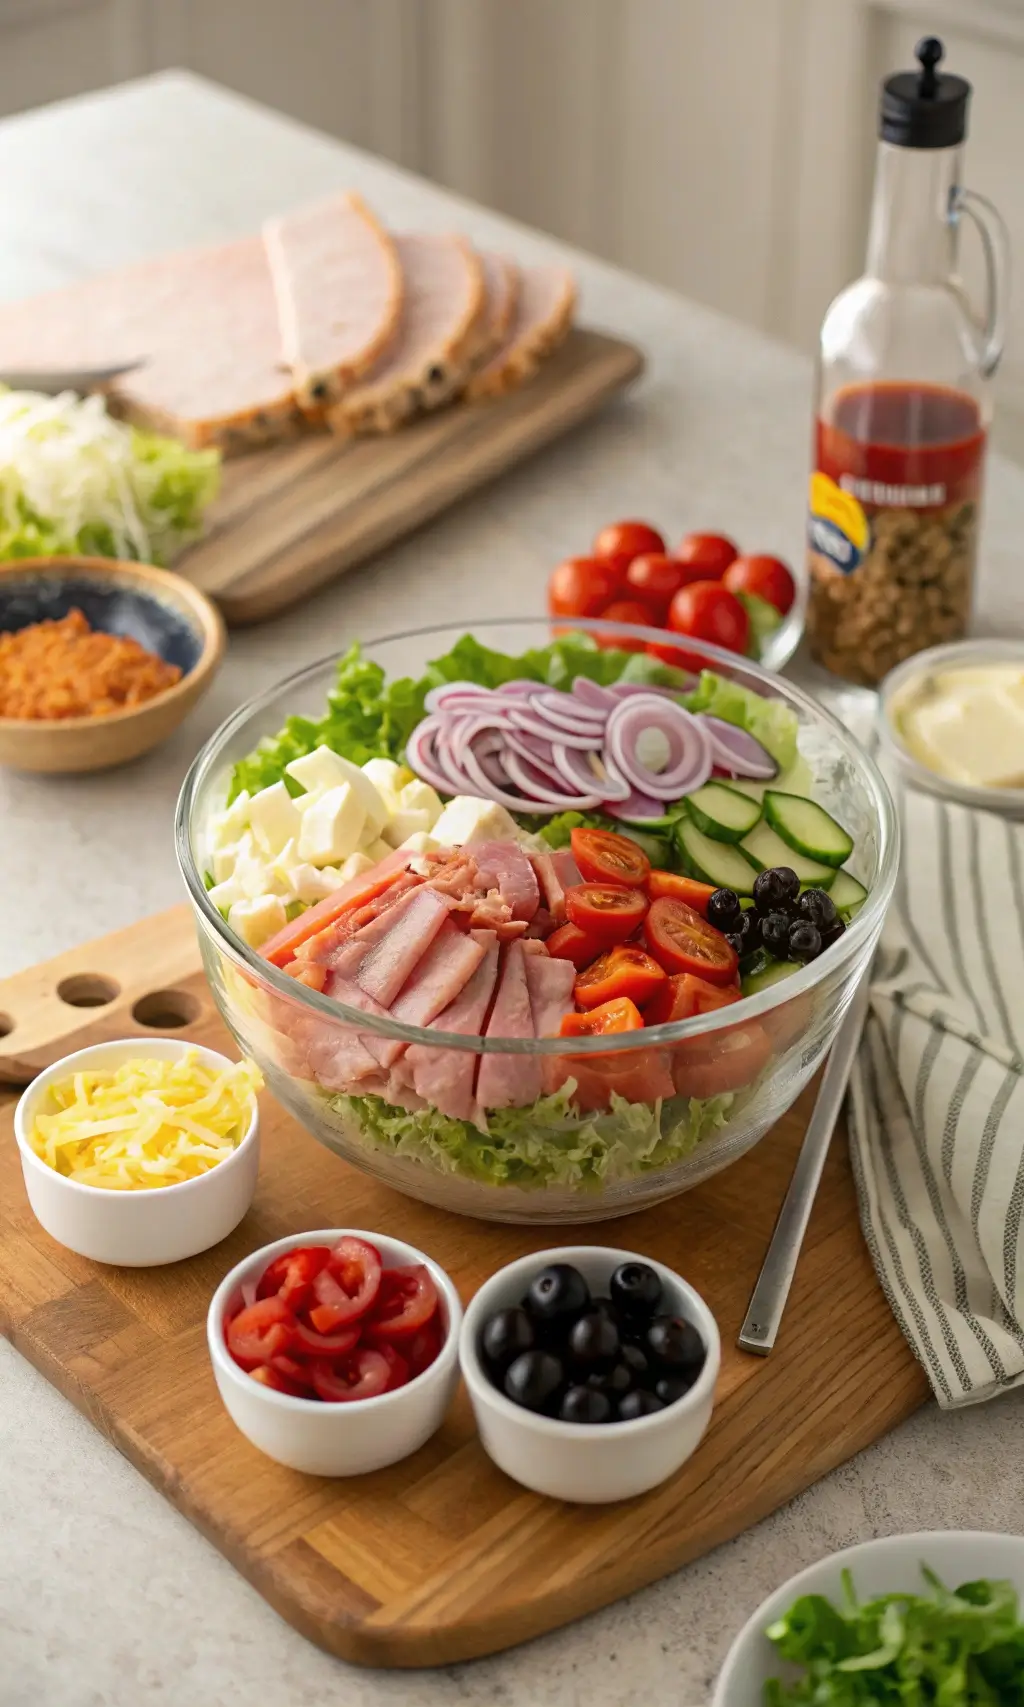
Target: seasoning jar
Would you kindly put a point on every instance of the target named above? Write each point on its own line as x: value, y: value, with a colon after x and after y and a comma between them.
x: 903, y: 398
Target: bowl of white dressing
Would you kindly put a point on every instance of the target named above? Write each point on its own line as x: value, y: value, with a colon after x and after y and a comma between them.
x: 953, y: 719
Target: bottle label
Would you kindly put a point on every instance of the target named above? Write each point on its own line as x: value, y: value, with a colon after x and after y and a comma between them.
x: 838, y: 528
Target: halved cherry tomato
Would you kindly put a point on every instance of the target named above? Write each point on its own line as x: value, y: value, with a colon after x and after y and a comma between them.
x: 604, y: 910
x: 408, y: 1301
x: 347, y: 1286
x: 683, y: 996
x: 290, y: 1276
x: 422, y: 1350
x: 312, y: 1344
x: 268, y: 1376
x: 604, y: 857
x: 722, y: 1061
x: 669, y: 883
x: 630, y: 611
x: 711, y: 553
x: 292, y: 1370
x: 398, y: 1367
x: 625, y: 970
x: 654, y: 578
x: 582, y: 586
x: 627, y: 540
x: 570, y: 943
x: 708, y: 611
x: 619, y: 1015
x: 362, y: 1376
x: 260, y: 1331
x: 766, y: 577
x: 681, y: 941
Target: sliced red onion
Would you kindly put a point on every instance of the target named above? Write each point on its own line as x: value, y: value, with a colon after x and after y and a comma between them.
x: 591, y: 693
x: 737, y: 751
x: 520, y: 688
x: 586, y: 771
x: 568, y: 713
x: 540, y: 755
x: 629, y: 690
x: 537, y: 725
x: 540, y: 791
x: 637, y: 809
x: 421, y: 754
x: 689, y: 758
x: 493, y: 767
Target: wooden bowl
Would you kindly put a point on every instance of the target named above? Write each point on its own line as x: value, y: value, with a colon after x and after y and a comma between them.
x: 159, y: 609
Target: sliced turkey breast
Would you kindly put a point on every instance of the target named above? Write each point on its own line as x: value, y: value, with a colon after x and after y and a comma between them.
x: 438, y: 978
x: 501, y: 293
x: 339, y: 288
x: 444, y: 1077
x: 510, y: 1081
x: 437, y: 342
x: 550, y: 983
x: 544, y: 312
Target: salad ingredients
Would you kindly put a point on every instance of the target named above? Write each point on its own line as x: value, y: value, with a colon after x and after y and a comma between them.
x: 654, y: 578
x: 681, y: 941
x: 592, y: 1360
x: 706, y: 610
x: 619, y: 1014
x: 604, y: 857
x: 605, y: 911
x: 584, y: 586
x: 711, y: 553
x: 623, y: 541
x: 64, y: 668
x: 76, y: 481
x: 336, y: 1324
x: 959, y: 1647
x: 763, y: 578
x: 147, y: 1123
x: 625, y: 970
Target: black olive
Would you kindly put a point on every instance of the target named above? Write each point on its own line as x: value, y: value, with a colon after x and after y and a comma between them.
x: 585, y: 1405
x: 818, y: 908
x: 775, y: 929
x: 533, y: 1380
x: 616, y: 1380
x: 723, y: 909
x: 557, y: 1293
x: 593, y: 1342
x: 638, y: 1364
x: 674, y: 1344
x: 506, y: 1336
x: 639, y: 1403
x: 833, y: 933
x: 804, y: 941
x: 673, y: 1387
x: 775, y: 889
x: 636, y: 1289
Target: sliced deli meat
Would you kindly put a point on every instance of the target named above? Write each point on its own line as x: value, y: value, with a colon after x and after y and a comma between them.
x: 544, y: 313
x: 550, y: 983
x: 505, y: 867
x: 440, y: 976
x: 381, y: 957
x: 501, y: 294
x: 339, y: 288
x: 510, y: 1081
x: 441, y: 332
x: 444, y: 1077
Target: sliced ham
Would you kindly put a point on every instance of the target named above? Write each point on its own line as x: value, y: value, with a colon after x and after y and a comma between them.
x: 510, y: 1081
x: 505, y: 867
x: 338, y: 1059
x: 338, y: 285
x: 550, y: 983
x: 285, y: 945
x: 385, y: 1050
x: 439, y: 977
x: 444, y: 1077
x: 544, y: 312
x: 382, y: 955
x: 566, y: 869
x: 440, y: 333
x: 501, y: 293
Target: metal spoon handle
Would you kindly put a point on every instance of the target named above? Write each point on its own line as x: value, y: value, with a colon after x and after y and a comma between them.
x: 768, y: 1300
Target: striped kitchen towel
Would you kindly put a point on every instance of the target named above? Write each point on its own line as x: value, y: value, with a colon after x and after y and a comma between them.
x: 937, y: 1098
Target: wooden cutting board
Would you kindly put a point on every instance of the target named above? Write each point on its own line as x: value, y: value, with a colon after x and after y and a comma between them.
x: 292, y: 518
x: 440, y: 1558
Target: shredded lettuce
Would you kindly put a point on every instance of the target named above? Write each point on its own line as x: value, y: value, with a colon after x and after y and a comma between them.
x: 770, y: 721
x: 547, y: 1144
x: 72, y: 479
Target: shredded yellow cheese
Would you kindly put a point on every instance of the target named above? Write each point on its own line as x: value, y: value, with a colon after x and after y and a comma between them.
x: 146, y: 1123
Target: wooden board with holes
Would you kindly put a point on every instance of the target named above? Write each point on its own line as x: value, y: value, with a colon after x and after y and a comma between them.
x: 440, y: 1558
x: 294, y: 517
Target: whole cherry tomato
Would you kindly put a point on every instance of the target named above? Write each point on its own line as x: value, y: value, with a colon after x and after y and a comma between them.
x: 766, y: 577
x: 582, y: 586
x: 711, y: 553
x: 654, y: 578
x: 708, y: 611
x: 627, y: 540
x: 624, y: 610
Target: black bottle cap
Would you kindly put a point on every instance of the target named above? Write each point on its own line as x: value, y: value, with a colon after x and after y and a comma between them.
x: 926, y: 108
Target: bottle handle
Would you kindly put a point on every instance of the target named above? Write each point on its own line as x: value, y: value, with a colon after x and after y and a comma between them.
x: 995, y: 245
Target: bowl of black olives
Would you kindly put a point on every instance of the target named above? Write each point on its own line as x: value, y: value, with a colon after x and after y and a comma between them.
x: 591, y: 1371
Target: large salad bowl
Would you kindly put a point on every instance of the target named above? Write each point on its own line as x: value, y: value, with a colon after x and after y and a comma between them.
x: 565, y: 1156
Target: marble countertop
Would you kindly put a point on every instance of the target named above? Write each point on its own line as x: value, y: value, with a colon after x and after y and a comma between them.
x: 107, y: 1597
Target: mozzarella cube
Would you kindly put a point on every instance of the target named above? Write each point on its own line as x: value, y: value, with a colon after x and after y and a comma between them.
x: 229, y: 825
x: 418, y: 796
x: 257, y: 921
x: 469, y: 818
x: 417, y: 808
x: 354, y: 866
x: 323, y: 770
x: 420, y: 843
x: 224, y: 895
x: 332, y: 826
x: 303, y: 802
x: 404, y: 824
x: 309, y: 884
x: 387, y: 778
x: 273, y: 818
x: 376, y: 851
x: 222, y: 862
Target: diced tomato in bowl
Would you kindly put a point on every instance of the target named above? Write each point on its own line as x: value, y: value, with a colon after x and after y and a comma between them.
x: 336, y: 1353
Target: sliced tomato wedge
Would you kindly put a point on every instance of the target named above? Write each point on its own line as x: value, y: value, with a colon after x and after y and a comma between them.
x: 683, y: 997
x: 605, y: 910
x: 639, y: 1075
x: 260, y: 1331
x: 292, y: 1370
x: 681, y: 941
x: 618, y: 1015
x: 722, y: 1061
x: 625, y: 970
x: 407, y: 1301
x: 422, y: 1350
x: 347, y: 1286
x: 313, y: 1344
x: 570, y: 943
x: 290, y: 1276
x: 604, y: 857
x: 398, y: 1367
x: 269, y: 1376
x: 670, y: 885
x: 364, y: 1375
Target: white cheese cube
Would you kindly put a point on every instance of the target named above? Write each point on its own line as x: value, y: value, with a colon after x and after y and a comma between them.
x: 323, y: 770
x: 222, y: 862
x: 227, y: 826
x: 303, y: 802
x: 420, y: 842
x: 332, y: 826
x: 376, y: 851
x: 258, y: 920
x: 273, y: 818
x: 387, y: 777
x: 418, y: 796
x: 224, y: 895
x: 417, y: 808
x: 406, y: 823
x: 309, y: 884
x: 470, y: 818
x: 354, y: 866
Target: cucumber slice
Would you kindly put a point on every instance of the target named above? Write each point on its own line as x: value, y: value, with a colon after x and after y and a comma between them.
x: 720, y: 863
x: 807, y: 828
x: 721, y: 813
x: 752, y: 964
x: 765, y: 849
x: 848, y: 895
x: 773, y: 973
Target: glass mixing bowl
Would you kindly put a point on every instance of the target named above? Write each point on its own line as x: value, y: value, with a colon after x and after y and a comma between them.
x: 653, y: 1112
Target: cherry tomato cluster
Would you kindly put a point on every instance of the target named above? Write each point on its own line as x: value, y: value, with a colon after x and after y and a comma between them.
x: 698, y: 590
x: 335, y: 1324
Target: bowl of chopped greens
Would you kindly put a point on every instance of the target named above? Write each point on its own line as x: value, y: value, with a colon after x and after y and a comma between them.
x: 914, y: 1620
x: 531, y: 927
